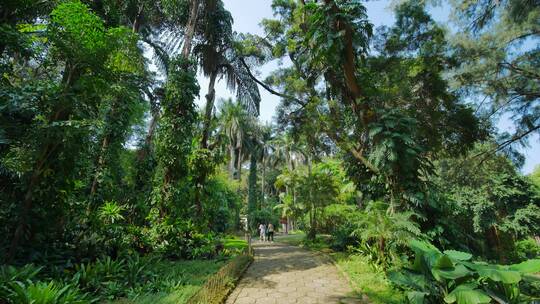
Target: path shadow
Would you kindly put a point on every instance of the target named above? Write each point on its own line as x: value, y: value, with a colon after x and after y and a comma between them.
x: 276, y: 258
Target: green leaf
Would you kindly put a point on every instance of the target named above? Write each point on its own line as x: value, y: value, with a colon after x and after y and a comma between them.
x: 416, y: 297
x: 421, y: 246
x: 458, y: 255
x: 457, y: 272
x: 444, y: 262
x: 500, y: 275
x: 529, y: 266
x: 407, y: 279
x: 467, y: 294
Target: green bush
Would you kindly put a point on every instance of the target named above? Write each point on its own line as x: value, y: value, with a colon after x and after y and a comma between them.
x: 385, y: 235
x: 526, y: 249
x: 46, y: 293
x: 452, y: 277
x: 20, y: 286
x: 341, y: 221
x: 181, y: 240
x: 102, y: 277
x: 10, y: 275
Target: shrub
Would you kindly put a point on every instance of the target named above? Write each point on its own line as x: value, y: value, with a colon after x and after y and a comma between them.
x: 10, y: 275
x: 46, y: 293
x: 526, y: 249
x: 111, y: 279
x: 451, y: 277
x: 340, y: 221
x: 101, y: 276
x: 181, y: 240
x: 20, y: 286
x: 385, y: 235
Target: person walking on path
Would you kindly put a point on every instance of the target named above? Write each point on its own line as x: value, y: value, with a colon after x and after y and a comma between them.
x: 271, y: 232
x: 262, y: 232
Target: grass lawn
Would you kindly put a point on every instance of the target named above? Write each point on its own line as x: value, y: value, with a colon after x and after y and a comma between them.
x: 298, y: 238
x: 234, y: 243
x: 178, y: 280
x: 364, y: 278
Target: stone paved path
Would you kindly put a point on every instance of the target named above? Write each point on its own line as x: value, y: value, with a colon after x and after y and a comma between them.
x: 283, y: 274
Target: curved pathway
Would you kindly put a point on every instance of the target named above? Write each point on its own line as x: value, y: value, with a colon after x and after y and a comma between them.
x: 283, y: 274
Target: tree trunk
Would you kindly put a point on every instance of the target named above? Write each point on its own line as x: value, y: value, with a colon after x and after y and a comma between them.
x: 70, y: 76
x: 382, y: 244
x: 190, y: 28
x: 26, y: 206
x: 138, y: 18
x: 143, y: 152
x: 210, y: 97
x: 239, y: 164
x: 99, y: 167
x: 311, y: 234
x: 186, y: 51
x: 263, y: 173
x: 252, y: 184
x: 312, y: 224
x: 232, y: 163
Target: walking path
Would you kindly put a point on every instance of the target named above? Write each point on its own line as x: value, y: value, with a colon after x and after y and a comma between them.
x: 283, y: 274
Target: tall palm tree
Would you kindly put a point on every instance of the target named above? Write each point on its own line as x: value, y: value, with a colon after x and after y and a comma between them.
x: 234, y: 124
x: 256, y: 147
x: 219, y: 58
x: 288, y: 152
x: 266, y: 137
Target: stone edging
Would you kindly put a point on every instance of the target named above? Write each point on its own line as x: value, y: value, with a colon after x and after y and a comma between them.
x: 219, y: 280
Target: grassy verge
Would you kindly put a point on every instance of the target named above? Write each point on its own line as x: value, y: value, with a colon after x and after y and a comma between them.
x: 177, y: 281
x: 365, y: 280
x: 234, y: 243
x: 299, y: 239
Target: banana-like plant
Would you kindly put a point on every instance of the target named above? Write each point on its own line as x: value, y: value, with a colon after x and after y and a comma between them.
x: 453, y: 277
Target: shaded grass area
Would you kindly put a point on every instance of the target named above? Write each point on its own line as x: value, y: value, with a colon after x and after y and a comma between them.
x: 321, y: 243
x: 234, y: 243
x: 365, y: 280
x: 177, y: 281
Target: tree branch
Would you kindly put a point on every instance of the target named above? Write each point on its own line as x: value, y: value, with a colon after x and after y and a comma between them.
x: 506, y: 143
x: 268, y: 88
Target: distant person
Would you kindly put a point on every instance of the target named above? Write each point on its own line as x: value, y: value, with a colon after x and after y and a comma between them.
x: 262, y: 232
x: 271, y: 232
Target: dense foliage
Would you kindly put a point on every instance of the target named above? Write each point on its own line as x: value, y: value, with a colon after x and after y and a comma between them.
x: 112, y: 178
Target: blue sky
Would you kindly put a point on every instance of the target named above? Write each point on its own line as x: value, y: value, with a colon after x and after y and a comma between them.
x: 248, y: 14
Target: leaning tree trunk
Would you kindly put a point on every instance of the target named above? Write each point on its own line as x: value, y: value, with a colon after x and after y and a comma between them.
x: 26, y: 207
x: 190, y: 31
x: 71, y: 74
x: 145, y: 150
